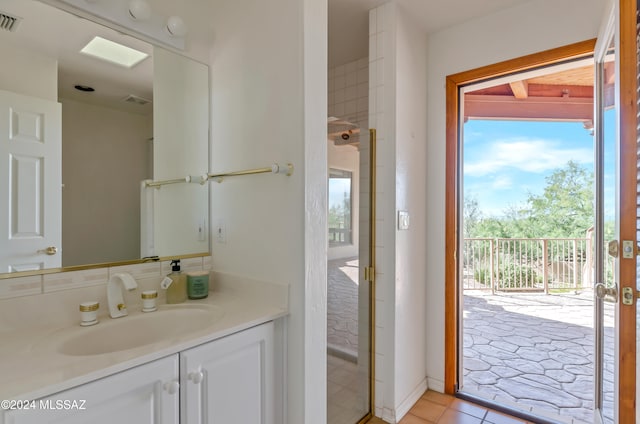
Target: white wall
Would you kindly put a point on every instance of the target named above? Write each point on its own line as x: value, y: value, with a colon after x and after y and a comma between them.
x: 180, y: 148
x: 106, y: 155
x: 398, y: 111
x: 28, y: 73
x: 524, y: 29
x: 269, y: 91
x: 411, y: 244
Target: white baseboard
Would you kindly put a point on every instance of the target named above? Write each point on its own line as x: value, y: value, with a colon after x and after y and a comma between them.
x: 435, y: 384
x: 388, y: 416
x: 411, y: 400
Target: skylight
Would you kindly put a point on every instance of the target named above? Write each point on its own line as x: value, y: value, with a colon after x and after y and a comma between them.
x: 113, y: 52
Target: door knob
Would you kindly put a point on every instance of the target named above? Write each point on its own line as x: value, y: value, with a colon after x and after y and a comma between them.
x: 612, y: 248
x: 51, y: 250
x: 608, y: 294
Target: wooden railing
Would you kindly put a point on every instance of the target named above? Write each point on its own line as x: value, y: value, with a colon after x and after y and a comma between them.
x: 515, y: 264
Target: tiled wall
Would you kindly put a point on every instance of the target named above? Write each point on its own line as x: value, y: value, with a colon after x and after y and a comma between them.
x: 349, y: 92
x: 380, y: 62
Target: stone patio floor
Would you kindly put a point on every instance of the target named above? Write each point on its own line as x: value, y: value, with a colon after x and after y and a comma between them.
x: 528, y: 350
x: 535, y: 351
x: 342, y: 307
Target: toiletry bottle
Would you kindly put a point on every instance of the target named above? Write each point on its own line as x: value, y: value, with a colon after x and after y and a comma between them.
x: 198, y: 284
x: 177, y: 289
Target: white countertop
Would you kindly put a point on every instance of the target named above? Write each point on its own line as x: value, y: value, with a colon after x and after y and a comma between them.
x: 31, y: 367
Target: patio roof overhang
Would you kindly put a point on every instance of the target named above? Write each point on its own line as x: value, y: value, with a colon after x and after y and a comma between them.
x: 566, y: 95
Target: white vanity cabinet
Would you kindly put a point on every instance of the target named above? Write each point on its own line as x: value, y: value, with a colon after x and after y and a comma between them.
x: 145, y: 394
x: 230, y: 380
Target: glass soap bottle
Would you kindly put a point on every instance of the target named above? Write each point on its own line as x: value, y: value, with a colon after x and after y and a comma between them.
x: 176, y: 284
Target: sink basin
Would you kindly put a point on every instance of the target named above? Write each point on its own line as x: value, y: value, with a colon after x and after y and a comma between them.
x: 113, y: 335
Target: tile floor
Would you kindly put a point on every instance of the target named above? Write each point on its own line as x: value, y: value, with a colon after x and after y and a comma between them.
x: 346, y: 402
x: 434, y: 407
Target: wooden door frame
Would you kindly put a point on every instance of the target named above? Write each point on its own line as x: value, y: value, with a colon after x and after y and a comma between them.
x: 627, y: 51
x: 454, y: 83
x: 628, y: 168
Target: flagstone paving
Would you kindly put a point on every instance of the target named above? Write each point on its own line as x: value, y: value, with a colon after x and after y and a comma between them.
x: 529, y: 350
x: 342, y: 307
x: 535, y: 351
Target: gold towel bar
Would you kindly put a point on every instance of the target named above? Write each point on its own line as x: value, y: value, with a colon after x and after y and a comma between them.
x: 201, y: 179
x: 273, y: 169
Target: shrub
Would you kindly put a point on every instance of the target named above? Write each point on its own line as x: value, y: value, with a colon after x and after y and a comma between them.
x: 515, y: 276
x: 483, y: 276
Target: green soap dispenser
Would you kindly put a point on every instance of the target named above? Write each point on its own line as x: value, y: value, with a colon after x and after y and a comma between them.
x: 176, y: 284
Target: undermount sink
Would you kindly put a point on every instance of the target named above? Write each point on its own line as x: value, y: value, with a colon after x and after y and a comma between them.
x: 113, y: 335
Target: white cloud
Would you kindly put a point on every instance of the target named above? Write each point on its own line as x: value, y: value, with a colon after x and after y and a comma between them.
x: 523, y: 154
x: 502, y: 182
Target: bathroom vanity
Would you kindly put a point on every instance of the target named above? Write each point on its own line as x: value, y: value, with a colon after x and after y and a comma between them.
x: 210, y: 360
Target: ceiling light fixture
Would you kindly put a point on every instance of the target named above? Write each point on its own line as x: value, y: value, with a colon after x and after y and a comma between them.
x: 139, y: 10
x: 176, y: 26
x: 136, y: 17
x: 113, y: 52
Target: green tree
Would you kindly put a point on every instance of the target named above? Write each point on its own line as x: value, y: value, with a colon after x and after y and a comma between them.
x: 564, y: 209
x: 472, y: 216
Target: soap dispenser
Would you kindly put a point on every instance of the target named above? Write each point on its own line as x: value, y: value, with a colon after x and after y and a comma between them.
x: 175, y: 284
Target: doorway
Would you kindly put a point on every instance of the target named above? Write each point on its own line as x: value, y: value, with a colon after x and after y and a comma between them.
x: 350, y: 288
x: 527, y: 150
x: 623, y: 406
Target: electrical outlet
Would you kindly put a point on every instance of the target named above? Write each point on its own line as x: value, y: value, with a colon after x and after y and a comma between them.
x: 221, y: 231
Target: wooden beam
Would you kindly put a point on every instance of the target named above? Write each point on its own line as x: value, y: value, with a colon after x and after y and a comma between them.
x: 520, y: 89
x: 532, y: 108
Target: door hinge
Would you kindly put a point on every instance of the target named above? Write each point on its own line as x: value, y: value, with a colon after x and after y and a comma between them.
x: 369, y: 273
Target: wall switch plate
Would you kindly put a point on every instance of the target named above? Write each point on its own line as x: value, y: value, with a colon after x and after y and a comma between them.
x: 202, y: 230
x: 221, y: 231
x: 403, y: 220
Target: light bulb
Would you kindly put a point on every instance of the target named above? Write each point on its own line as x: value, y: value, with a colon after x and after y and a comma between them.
x: 176, y: 26
x: 139, y: 10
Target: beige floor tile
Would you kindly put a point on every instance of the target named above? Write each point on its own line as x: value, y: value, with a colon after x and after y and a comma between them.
x: 438, y: 398
x: 412, y: 419
x: 428, y: 410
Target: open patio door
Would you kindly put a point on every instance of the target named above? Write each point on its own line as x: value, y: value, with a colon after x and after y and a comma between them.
x: 616, y: 141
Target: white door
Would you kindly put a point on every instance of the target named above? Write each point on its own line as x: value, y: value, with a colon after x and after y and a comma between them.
x: 147, y: 394
x: 30, y: 183
x: 230, y: 380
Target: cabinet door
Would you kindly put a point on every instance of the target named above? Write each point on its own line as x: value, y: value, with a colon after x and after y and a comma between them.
x: 229, y: 380
x: 145, y: 394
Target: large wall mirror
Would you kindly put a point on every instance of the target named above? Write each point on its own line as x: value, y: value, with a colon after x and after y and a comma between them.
x: 79, y: 135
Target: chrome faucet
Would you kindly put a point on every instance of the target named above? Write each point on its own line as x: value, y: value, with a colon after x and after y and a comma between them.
x: 117, y: 307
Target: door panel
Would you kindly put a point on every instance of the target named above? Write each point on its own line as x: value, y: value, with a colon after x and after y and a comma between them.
x: 30, y: 182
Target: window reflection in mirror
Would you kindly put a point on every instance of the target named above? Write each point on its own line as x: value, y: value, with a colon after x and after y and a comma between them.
x: 340, y: 205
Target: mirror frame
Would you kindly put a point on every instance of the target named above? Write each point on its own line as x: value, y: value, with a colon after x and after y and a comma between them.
x: 129, y: 32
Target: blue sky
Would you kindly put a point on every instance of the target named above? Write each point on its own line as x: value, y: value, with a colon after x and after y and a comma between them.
x: 504, y: 161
